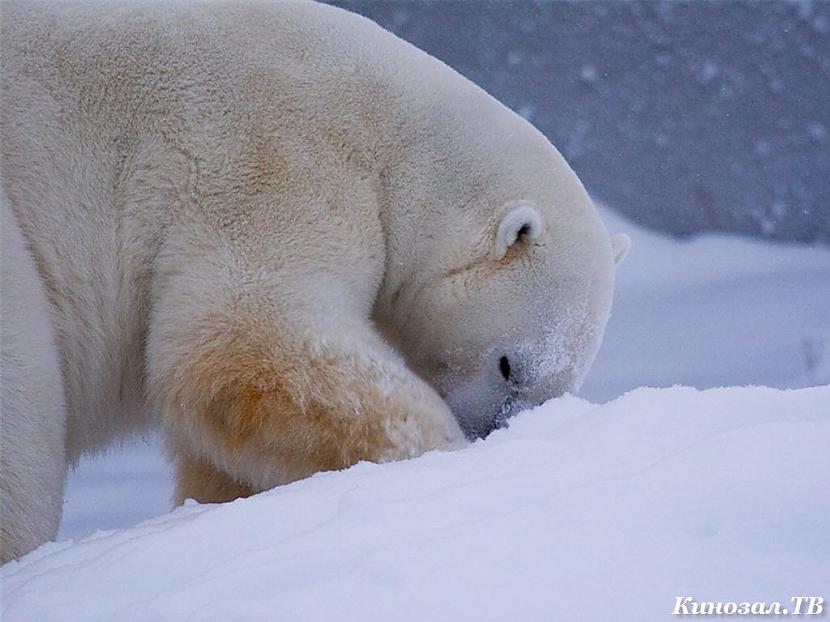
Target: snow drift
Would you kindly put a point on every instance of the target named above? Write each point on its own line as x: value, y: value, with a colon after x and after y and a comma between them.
x: 576, y: 512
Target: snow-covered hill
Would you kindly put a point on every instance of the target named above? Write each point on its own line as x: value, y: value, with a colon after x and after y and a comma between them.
x: 712, y: 311
x: 576, y: 512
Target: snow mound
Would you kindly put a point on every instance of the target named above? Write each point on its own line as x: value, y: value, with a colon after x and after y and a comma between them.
x: 576, y: 512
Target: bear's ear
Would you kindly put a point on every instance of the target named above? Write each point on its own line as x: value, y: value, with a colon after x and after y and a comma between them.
x: 520, y: 223
x: 620, y: 243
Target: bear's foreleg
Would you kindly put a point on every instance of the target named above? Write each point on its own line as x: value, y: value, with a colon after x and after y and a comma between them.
x: 198, y: 479
x: 252, y: 397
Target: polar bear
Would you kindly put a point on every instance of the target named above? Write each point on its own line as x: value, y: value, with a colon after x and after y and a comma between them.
x: 297, y: 240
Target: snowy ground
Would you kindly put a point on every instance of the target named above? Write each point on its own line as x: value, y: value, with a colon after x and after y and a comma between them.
x: 714, y: 311
x: 577, y: 512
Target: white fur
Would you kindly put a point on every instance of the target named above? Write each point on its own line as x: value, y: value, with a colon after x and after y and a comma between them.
x: 32, y: 455
x: 276, y: 226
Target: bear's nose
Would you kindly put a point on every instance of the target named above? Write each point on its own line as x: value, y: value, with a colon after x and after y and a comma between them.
x: 514, y: 371
x: 524, y: 377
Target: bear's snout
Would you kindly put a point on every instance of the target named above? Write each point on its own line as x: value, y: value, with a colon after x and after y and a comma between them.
x: 534, y: 370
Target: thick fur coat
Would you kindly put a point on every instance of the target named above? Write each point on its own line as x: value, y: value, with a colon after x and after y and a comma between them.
x: 298, y: 240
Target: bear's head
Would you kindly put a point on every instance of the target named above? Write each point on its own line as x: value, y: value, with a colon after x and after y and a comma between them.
x: 500, y: 273
x: 523, y: 325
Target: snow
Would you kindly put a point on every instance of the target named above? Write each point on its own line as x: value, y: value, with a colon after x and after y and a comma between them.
x: 578, y: 511
x: 712, y: 311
